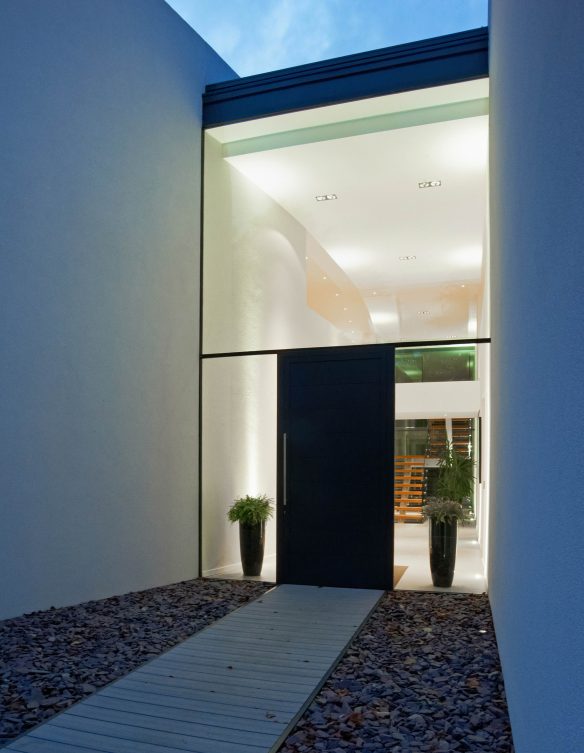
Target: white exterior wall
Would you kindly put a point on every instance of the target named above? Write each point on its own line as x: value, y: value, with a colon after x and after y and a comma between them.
x: 99, y: 191
x: 537, y: 515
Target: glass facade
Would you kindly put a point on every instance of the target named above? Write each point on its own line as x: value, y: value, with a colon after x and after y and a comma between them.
x: 317, y: 236
x: 320, y: 237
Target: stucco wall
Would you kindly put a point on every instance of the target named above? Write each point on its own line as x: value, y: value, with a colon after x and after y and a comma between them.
x: 100, y: 190
x: 537, y: 535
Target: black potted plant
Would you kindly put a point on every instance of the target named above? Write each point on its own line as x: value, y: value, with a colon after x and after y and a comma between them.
x: 455, y: 485
x: 252, y: 514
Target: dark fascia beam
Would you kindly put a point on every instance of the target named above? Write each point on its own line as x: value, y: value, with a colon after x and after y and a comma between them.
x: 418, y: 65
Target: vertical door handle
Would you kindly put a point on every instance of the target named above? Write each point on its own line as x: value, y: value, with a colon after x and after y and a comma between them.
x: 285, y: 468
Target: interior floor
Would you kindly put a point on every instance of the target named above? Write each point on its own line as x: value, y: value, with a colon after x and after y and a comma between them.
x: 234, y: 572
x: 411, y: 551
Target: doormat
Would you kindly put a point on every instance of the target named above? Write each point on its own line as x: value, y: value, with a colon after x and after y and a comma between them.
x: 398, y: 571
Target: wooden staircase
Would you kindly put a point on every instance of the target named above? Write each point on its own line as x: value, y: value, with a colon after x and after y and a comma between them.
x: 438, y: 437
x: 409, y: 488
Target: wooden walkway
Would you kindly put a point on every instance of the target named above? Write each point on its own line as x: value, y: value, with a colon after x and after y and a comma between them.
x: 237, y: 686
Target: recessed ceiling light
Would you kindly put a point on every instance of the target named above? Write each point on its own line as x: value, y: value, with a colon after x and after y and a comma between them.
x: 337, y: 294
x: 405, y: 258
x: 375, y: 292
x: 345, y: 308
x: 429, y: 183
x: 463, y: 286
x: 326, y: 197
x: 324, y: 277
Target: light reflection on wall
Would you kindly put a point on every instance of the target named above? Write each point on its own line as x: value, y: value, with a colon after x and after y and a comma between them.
x: 254, y: 268
x: 239, y: 449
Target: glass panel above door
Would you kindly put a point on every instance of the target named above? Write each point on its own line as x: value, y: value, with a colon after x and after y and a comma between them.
x: 317, y: 235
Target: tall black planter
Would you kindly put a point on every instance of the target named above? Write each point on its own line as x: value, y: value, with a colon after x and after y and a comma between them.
x: 442, y: 552
x: 251, y: 545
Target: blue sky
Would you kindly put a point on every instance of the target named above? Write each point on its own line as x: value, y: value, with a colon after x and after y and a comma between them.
x: 254, y: 36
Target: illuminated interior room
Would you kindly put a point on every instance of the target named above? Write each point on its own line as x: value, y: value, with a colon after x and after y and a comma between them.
x: 353, y: 224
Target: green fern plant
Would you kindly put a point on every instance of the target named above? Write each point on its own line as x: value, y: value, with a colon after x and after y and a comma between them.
x: 456, y: 475
x: 251, y: 511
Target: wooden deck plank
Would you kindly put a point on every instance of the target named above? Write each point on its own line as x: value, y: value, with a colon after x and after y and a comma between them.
x: 249, y: 648
x: 179, y: 726
x: 268, y: 627
x: 234, y: 699
x: 283, y: 635
x: 245, y: 644
x: 250, y: 690
x: 114, y: 735
x: 207, y: 717
x: 34, y: 745
x: 133, y: 740
x: 285, y: 641
x: 279, y: 659
x: 189, y: 703
x: 291, y: 618
x: 265, y: 679
x: 235, y: 687
x: 220, y: 657
x: 249, y: 671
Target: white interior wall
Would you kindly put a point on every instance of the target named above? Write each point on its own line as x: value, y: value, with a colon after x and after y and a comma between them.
x: 255, y: 297
x: 484, y: 377
x: 100, y: 190
x: 437, y: 399
x: 239, y: 449
x: 483, y: 501
x: 254, y: 268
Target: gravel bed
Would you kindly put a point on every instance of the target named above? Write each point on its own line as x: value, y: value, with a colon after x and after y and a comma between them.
x: 423, y: 676
x: 51, y: 659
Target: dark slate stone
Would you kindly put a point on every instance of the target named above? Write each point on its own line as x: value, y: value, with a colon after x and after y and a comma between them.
x: 51, y: 659
x: 422, y: 676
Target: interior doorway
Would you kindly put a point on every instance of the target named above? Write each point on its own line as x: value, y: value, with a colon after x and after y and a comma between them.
x: 442, y: 404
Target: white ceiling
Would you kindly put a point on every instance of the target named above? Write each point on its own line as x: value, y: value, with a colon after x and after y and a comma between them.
x: 382, y: 214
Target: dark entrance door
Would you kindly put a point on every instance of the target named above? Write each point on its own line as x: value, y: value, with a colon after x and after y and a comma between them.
x: 335, y: 469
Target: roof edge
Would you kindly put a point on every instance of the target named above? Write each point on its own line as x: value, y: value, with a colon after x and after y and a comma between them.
x: 430, y: 62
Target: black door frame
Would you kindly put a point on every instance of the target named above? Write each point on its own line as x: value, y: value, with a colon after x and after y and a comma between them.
x: 323, y: 353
